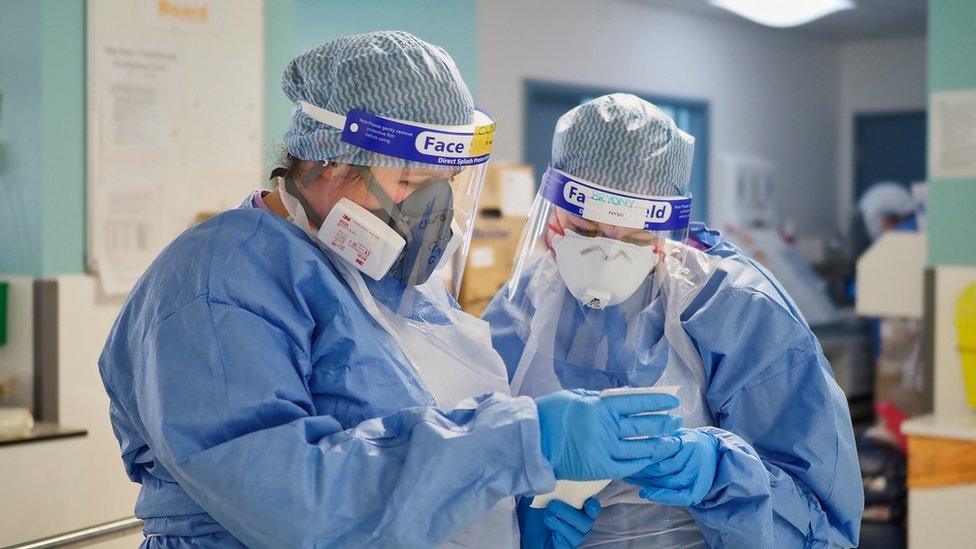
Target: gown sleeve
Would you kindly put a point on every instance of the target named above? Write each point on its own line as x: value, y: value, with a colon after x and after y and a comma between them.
x: 788, y: 473
x: 223, y: 398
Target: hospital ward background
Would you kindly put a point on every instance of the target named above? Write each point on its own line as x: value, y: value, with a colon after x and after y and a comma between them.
x: 834, y: 144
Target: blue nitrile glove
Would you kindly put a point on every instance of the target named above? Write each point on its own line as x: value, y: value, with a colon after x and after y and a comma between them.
x: 559, y: 525
x: 685, y: 478
x: 584, y: 436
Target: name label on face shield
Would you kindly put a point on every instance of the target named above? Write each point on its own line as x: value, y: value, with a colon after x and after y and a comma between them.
x: 605, y: 205
x: 429, y: 145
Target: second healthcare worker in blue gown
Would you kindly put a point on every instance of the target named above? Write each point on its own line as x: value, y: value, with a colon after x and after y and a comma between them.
x: 612, y: 289
x: 289, y: 373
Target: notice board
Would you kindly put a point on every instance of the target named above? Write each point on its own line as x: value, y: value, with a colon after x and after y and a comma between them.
x: 175, y: 123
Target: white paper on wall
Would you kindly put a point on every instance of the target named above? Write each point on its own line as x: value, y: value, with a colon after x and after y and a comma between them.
x: 952, y: 151
x: 175, y: 126
x: 481, y: 257
x: 517, y: 192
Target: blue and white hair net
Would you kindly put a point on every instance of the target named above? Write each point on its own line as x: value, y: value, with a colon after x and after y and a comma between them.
x: 622, y: 142
x: 389, y: 73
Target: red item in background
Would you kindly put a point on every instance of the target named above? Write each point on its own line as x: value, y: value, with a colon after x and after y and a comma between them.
x: 892, y: 417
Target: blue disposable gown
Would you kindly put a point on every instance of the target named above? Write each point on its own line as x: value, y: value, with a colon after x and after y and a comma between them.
x: 257, y: 402
x: 788, y: 473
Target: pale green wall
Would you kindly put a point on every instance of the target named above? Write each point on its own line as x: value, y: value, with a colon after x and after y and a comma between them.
x: 42, y: 124
x: 952, y: 203
x: 280, y: 48
x: 42, y: 137
x: 63, y: 152
x: 20, y: 137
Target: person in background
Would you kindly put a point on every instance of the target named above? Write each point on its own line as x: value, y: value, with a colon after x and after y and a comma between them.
x: 896, y: 342
x: 613, y: 287
x: 290, y: 373
x: 885, y: 206
x: 899, y: 382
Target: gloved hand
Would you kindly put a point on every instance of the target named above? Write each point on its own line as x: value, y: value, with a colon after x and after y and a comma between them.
x: 559, y: 525
x: 685, y: 478
x: 584, y: 436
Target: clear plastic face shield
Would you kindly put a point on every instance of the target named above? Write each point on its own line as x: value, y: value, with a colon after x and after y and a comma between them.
x: 599, y: 282
x: 605, y: 244
x: 408, y: 214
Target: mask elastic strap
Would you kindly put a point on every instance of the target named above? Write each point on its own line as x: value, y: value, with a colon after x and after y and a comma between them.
x: 396, y: 215
x: 293, y: 190
x: 428, y: 239
x: 384, y: 199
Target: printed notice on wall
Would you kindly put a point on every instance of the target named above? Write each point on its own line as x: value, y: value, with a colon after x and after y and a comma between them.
x: 137, y: 107
x: 137, y: 91
x: 137, y: 112
x: 175, y: 123
x: 952, y: 151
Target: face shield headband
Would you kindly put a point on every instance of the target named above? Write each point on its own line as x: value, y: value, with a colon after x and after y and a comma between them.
x: 436, y: 145
x: 605, y: 205
x: 418, y: 233
x: 413, y: 142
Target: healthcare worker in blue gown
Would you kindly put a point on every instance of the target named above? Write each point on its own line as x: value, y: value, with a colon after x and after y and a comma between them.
x: 613, y: 288
x: 290, y: 373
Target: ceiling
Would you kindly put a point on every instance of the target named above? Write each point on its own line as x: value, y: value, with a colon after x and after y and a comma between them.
x: 870, y: 19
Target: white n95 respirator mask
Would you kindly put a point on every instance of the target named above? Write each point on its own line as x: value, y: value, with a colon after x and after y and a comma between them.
x: 602, y: 272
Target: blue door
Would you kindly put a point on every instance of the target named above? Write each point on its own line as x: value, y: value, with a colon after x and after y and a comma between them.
x: 888, y: 147
x: 545, y: 102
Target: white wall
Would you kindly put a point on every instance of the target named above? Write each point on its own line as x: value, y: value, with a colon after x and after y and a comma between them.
x: 875, y: 76
x: 60, y: 485
x: 772, y: 94
x: 941, y: 517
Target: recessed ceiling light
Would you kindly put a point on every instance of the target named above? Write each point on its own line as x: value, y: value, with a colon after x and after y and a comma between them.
x: 783, y: 13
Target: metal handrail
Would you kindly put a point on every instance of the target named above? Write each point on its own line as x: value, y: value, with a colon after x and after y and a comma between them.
x: 85, y: 536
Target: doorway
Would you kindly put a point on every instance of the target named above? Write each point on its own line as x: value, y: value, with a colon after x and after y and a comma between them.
x: 889, y: 146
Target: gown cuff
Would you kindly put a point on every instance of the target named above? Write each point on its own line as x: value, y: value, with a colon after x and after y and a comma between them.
x: 739, y: 474
x: 538, y: 471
